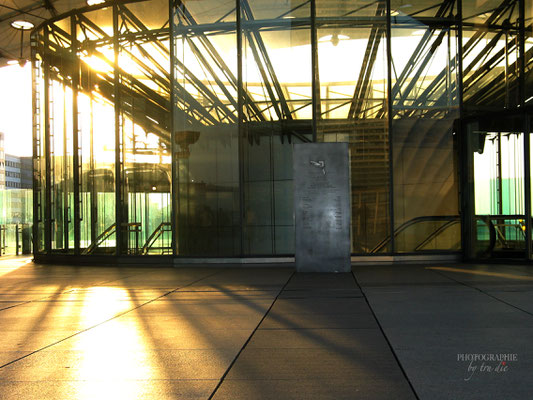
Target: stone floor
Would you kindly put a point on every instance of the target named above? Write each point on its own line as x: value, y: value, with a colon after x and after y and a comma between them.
x: 383, y: 332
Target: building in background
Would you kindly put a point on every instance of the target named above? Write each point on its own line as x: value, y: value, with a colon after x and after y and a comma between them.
x: 18, y: 172
x: 2, y: 162
x: 15, y: 202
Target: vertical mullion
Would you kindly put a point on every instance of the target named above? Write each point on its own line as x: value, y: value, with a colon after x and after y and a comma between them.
x: 465, y: 163
x: 389, y: 117
x: 526, y: 124
x: 75, y: 133
x: 174, y: 201
x: 118, y: 141
x: 47, y: 149
x: 460, y: 57
x: 240, y: 128
x: 37, y: 140
x: 527, y: 184
x: 315, y: 89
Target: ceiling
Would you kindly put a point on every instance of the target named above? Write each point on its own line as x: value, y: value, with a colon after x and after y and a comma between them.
x: 33, y: 11
x: 38, y: 11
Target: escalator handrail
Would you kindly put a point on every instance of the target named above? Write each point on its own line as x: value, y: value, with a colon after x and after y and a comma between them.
x: 153, y: 237
x: 450, y: 218
x: 100, y: 238
x: 108, y: 232
x: 411, y: 222
x: 436, y: 232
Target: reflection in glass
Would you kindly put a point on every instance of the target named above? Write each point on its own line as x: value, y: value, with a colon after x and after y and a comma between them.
x: 205, y: 131
x: 185, y: 125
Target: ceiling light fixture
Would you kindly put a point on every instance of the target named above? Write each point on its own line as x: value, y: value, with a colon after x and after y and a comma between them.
x: 94, y: 2
x: 22, y: 25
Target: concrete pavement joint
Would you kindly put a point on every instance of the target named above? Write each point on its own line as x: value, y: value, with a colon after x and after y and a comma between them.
x: 386, y: 338
x: 107, y: 320
x: 56, y: 294
x: 249, y: 338
x: 482, y: 291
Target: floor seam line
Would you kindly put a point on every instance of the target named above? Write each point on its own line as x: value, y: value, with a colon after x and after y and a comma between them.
x: 386, y: 338
x: 483, y: 292
x: 248, y: 340
x: 60, y: 293
x: 103, y: 322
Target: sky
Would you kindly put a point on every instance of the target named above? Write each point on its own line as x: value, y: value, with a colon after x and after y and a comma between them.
x: 16, y: 109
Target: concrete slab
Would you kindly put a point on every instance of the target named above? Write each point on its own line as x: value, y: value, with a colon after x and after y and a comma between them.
x: 166, y: 333
x: 314, y: 389
x: 434, y: 328
x: 109, y: 389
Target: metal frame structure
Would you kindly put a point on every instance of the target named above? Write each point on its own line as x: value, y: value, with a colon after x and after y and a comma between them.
x: 470, y: 83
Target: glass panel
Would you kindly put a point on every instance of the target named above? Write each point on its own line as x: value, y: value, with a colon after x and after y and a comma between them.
x: 351, y: 8
x: 425, y: 104
x: 60, y: 103
x: 528, y: 47
x: 144, y: 68
x: 429, y: 234
x: 352, y: 70
x: 277, y: 113
x: 96, y: 125
x: 409, y: 10
x: 490, y: 55
x: 16, y: 213
x: 39, y: 163
x: 205, y: 130
x: 499, y: 185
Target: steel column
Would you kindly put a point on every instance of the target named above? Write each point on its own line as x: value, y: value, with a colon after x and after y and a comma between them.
x: 47, y: 149
x: 389, y: 119
x: 174, y: 185
x: 75, y: 135
x: 240, y: 127
x: 119, y: 234
x: 315, y: 77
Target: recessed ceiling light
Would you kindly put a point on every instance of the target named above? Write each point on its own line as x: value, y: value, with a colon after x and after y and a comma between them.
x: 22, y: 25
x: 94, y: 2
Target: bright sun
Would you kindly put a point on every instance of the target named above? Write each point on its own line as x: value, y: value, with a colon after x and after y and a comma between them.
x: 16, y: 109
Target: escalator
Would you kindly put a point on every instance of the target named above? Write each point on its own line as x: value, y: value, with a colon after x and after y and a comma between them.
x: 156, y: 238
x: 496, y: 236
x: 425, y: 234
x: 156, y: 243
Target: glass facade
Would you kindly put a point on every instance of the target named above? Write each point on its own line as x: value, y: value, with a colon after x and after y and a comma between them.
x: 15, y: 221
x: 167, y: 128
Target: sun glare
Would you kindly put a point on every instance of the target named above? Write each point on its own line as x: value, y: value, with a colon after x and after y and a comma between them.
x: 16, y: 109
x: 114, y: 360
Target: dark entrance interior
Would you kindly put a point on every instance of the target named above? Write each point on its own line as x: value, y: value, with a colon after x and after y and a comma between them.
x: 496, y: 196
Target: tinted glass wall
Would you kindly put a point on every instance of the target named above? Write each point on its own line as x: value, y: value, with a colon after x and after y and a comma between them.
x: 168, y: 128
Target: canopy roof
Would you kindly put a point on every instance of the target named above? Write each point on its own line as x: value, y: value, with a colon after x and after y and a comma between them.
x: 32, y: 11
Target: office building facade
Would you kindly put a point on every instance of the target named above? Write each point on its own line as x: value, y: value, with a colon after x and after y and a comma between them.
x: 166, y: 128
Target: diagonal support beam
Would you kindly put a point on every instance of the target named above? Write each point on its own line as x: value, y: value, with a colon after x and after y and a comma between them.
x: 363, y: 83
x: 265, y: 66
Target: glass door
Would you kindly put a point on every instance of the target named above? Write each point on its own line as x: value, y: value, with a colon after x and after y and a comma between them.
x: 497, y: 188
